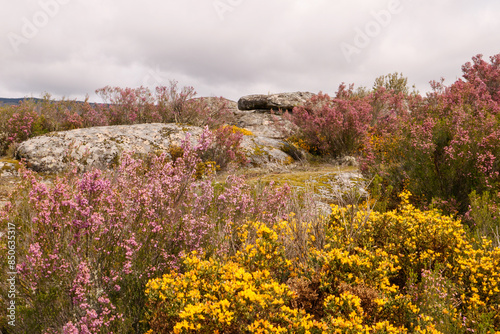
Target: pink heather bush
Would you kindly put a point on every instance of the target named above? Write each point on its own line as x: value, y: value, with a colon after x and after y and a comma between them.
x: 448, y: 145
x: 16, y: 124
x: 183, y: 107
x: 20, y: 125
x: 484, y: 78
x: 57, y: 115
x: 90, y: 242
x: 166, y: 104
x: 332, y: 126
x: 129, y: 106
x: 225, y: 148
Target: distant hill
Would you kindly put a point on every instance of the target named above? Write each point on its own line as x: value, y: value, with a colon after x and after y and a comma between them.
x: 6, y: 101
x: 14, y: 101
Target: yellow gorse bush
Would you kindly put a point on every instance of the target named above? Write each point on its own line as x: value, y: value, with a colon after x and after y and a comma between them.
x: 210, y: 297
x: 262, y: 249
x: 418, y: 238
x: 402, y: 271
x: 412, y: 240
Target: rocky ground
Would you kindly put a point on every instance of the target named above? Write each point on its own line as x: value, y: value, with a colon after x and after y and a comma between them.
x: 9, y: 178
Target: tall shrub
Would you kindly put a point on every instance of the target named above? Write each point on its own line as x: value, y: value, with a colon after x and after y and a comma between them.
x: 448, y: 144
x: 332, y: 126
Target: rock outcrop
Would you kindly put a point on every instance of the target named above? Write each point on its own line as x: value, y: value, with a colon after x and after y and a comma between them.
x: 281, y: 101
x: 260, y: 113
x: 262, y: 124
x: 102, y: 146
x: 262, y: 150
x: 218, y: 101
x: 99, y: 146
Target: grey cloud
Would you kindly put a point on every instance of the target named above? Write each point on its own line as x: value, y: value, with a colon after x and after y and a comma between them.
x: 250, y: 47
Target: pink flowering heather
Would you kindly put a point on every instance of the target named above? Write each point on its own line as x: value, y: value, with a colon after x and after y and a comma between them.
x: 332, y: 126
x: 225, y: 148
x: 17, y: 123
x: 128, y: 106
x: 447, y: 145
x: 90, y: 242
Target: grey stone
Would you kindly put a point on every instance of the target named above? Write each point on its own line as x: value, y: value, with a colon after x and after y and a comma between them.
x: 348, y: 161
x: 262, y: 150
x: 217, y: 102
x: 262, y: 124
x: 282, y: 101
x: 101, y: 146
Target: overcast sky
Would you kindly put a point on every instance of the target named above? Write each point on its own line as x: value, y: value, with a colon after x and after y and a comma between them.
x: 233, y: 48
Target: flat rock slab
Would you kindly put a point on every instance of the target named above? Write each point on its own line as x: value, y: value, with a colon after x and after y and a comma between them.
x: 283, y: 101
x: 101, y: 146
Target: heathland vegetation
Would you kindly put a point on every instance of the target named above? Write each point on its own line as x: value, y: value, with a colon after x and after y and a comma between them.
x: 164, y: 244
